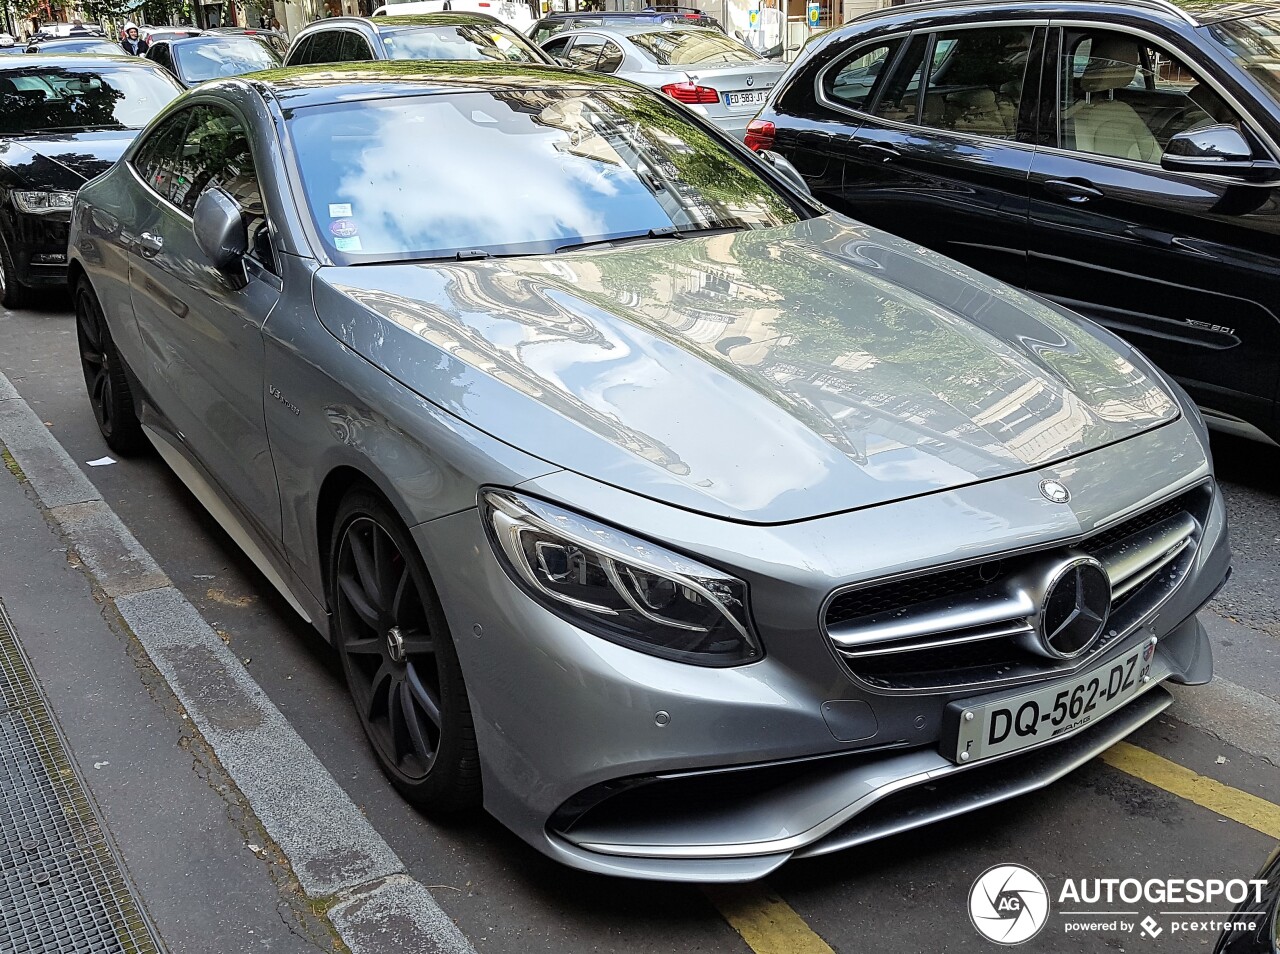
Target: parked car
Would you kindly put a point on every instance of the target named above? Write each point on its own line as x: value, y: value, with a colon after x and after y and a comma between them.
x: 151, y: 34
x: 426, y: 36
x: 554, y: 23
x: 723, y: 79
x: 1254, y: 926
x: 1119, y: 158
x: 273, y: 38
x: 516, y: 14
x: 193, y: 60
x: 63, y: 120
x: 672, y: 517
x: 76, y: 44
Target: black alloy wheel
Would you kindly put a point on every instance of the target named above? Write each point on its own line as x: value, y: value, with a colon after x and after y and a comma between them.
x: 104, y: 376
x: 400, y: 662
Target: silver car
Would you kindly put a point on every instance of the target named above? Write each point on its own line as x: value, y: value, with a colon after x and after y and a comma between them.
x: 711, y: 73
x: 684, y: 525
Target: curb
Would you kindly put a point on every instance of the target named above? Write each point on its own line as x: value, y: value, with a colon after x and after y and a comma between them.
x: 335, y: 853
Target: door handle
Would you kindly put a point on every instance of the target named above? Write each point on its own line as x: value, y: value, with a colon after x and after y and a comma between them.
x: 151, y: 244
x: 874, y: 150
x: 1072, y: 190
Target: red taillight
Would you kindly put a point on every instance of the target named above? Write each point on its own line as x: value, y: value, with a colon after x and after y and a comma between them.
x: 760, y: 133
x: 691, y: 93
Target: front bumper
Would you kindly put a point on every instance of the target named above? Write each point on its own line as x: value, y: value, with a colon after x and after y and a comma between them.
x: 38, y: 247
x: 739, y: 767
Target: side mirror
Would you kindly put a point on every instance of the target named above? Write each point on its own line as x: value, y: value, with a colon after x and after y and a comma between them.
x: 220, y: 230
x: 782, y: 165
x: 1218, y: 149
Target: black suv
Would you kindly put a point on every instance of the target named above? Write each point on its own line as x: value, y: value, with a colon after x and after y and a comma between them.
x: 555, y: 23
x: 1118, y: 158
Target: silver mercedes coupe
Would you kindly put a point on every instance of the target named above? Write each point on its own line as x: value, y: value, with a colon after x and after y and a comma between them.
x: 684, y: 525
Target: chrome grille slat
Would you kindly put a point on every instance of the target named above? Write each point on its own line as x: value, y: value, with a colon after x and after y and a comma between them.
x: 968, y: 625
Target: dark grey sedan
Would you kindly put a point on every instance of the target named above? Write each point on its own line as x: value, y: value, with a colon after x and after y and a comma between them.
x: 685, y: 526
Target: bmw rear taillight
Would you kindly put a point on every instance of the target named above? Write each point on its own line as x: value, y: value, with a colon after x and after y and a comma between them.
x: 760, y: 133
x: 691, y: 93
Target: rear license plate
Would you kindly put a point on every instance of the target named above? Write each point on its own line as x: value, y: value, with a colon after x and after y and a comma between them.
x: 1002, y: 725
x: 746, y: 97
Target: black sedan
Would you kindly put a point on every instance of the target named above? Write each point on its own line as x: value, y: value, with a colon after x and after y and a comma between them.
x: 193, y: 60
x: 63, y: 121
x: 1119, y: 158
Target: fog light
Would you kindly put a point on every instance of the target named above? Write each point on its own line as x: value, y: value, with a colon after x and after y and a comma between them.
x: 51, y: 258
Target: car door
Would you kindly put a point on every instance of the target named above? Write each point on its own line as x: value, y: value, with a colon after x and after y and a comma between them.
x: 944, y: 150
x: 201, y: 328
x: 1185, y: 265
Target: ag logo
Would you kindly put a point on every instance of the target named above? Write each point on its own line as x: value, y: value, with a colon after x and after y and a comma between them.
x: 1008, y: 904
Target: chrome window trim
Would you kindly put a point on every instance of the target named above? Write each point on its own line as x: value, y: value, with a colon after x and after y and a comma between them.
x: 1268, y: 144
x: 819, y: 81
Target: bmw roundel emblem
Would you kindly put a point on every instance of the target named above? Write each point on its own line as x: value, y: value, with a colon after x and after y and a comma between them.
x: 1054, y: 491
x: 751, y: 81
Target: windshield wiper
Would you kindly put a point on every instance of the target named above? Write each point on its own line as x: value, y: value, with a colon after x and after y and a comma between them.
x: 667, y: 231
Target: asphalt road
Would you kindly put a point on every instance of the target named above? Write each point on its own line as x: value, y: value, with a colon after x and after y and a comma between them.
x: 904, y: 894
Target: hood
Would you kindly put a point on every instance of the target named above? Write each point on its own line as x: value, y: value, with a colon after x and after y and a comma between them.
x: 764, y: 376
x: 64, y: 161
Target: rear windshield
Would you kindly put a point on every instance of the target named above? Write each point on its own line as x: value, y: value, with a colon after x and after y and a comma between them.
x: 692, y: 48
x: 43, y: 99
x: 210, y: 58
x: 520, y: 171
x: 476, y: 41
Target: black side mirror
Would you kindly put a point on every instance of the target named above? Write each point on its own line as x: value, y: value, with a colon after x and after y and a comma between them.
x: 220, y: 230
x: 1218, y: 149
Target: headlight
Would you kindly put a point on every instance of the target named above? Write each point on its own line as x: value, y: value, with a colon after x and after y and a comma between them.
x: 41, y: 203
x: 620, y: 587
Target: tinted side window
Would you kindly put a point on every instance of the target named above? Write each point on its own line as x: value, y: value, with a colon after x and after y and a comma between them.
x: 610, y: 58
x: 302, y: 55
x: 585, y: 52
x: 556, y: 48
x: 975, y: 81
x: 326, y: 47
x: 157, y: 158
x: 898, y: 97
x: 1122, y: 96
x: 160, y: 53
x: 353, y: 47
x: 853, y: 81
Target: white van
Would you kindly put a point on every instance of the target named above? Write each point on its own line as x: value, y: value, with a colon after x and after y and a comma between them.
x: 517, y: 14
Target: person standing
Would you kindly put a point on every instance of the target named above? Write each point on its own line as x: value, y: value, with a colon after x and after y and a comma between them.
x: 133, y: 44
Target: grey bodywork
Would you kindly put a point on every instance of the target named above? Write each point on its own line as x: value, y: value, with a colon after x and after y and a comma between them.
x: 808, y: 408
x: 639, y: 67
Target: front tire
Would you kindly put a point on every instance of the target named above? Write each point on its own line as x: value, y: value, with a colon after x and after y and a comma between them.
x: 400, y: 662
x: 104, y: 376
x: 13, y: 294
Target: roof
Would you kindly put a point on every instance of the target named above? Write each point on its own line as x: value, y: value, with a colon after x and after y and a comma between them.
x: 299, y: 86
x: 209, y: 38
x: 405, y: 21
x: 1163, y: 8
x: 86, y: 61
x: 625, y: 28
x: 1206, y: 13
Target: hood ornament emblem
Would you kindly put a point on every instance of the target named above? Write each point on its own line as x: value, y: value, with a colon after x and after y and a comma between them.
x: 1054, y: 491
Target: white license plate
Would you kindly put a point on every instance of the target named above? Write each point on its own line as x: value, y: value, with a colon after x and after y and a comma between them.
x: 746, y: 97
x: 996, y: 726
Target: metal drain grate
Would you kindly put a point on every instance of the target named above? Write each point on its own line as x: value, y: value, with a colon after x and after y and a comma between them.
x: 61, y: 888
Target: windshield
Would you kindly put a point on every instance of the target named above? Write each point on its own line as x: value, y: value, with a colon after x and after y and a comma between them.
x: 47, y: 98
x: 692, y: 48
x: 91, y: 45
x: 518, y: 171
x: 223, y: 56
x: 1254, y: 43
x: 476, y: 41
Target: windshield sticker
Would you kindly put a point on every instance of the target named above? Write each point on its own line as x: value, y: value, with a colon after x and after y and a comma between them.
x: 338, y: 210
x: 347, y: 244
x: 344, y: 228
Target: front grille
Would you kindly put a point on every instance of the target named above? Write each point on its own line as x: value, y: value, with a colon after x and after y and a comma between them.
x: 972, y: 625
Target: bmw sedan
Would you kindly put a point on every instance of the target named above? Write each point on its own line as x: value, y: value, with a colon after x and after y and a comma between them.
x: 63, y: 120
x: 684, y: 525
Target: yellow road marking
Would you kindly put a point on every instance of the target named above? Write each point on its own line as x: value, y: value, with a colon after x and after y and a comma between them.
x: 1257, y: 813
x: 767, y: 923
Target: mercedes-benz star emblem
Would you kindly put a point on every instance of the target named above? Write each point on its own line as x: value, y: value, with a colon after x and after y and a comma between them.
x: 395, y: 644
x: 1076, y: 605
x: 1054, y: 491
